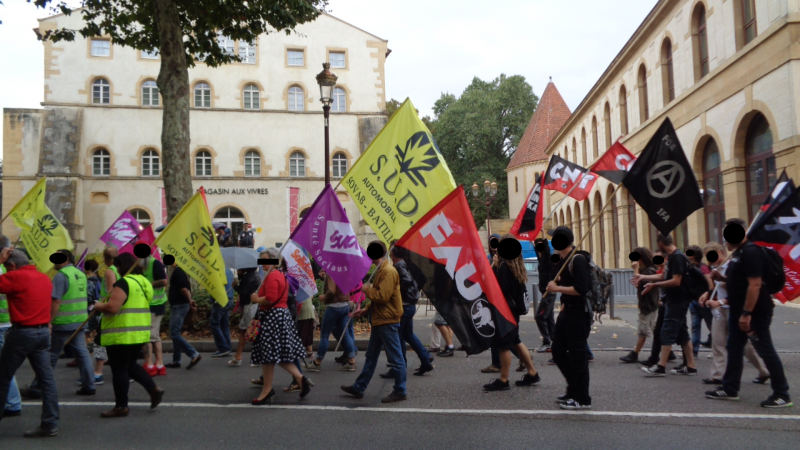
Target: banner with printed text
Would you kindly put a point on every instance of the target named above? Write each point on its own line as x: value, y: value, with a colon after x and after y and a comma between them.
x: 46, y: 236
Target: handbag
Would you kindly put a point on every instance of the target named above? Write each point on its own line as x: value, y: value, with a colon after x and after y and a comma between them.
x: 255, y: 325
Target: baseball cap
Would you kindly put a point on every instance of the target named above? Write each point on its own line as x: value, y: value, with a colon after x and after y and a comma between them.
x: 563, y: 230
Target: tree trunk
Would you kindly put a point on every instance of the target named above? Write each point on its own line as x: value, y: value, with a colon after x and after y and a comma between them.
x: 173, y: 84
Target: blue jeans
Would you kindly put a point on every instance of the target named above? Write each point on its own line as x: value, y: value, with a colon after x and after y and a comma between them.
x: 385, y: 337
x: 179, y: 344
x: 335, y: 321
x: 33, y: 344
x: 699, y: 315
x: 737, y: 339
x: 79, y: 350
x: 407, y: 335
x: 220, y: 325
x: 14, y: 401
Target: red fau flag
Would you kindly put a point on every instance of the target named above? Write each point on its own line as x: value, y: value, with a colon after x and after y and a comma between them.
x: 614, y: 164
x: 562, y: 175
x: 446, y: 259
x: 529, y: 221
x: 779, y: 230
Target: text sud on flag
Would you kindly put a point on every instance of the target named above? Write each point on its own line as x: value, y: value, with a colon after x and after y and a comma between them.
x: 46, y: 236
x: 190, y: 238
x: 447, y: 261
x: 400, y: 176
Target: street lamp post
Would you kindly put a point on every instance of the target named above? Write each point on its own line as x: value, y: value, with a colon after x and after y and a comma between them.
x: 327, y: 81
x: 490, y: 189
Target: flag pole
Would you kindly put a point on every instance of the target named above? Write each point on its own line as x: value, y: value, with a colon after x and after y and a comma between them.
x: 566, y: 196
x: 589, y: 230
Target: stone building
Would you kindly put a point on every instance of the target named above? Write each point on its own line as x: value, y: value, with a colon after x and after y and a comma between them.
x: 257, y: 136
x: 726, y: 72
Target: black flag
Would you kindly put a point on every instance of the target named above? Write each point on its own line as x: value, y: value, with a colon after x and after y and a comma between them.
x: 662, y: 182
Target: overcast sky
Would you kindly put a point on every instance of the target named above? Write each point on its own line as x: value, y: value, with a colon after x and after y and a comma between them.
x: 437, y: 45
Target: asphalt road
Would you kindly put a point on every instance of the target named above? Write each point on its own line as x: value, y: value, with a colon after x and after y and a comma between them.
x: 208, y: 407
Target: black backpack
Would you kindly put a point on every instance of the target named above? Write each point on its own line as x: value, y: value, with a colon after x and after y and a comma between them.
x: 600, y: 285
x: 774, y: 276
x: 694, y: 283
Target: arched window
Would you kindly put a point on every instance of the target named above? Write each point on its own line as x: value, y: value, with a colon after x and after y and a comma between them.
x: 101, y: 92
x: 303, y: 213
x: 587, y: 210
x: 761, y: 176
x: 623, y: 110
x: 700, y: 42
x: 251, y: 97
x: 339, y: 165
x: 749, y: 29
x: 141, y: 216
x: 101, y: 163
x: 150, y: 93
x: 252, y: 164
x: 297, y: 165
x: 601, y: 227
x: 634, y: 241
x: 644, y: 105
x: 713, y: 196
x: 339, y: 100
x: 561, y: 219
x: 585, y: 161
x: 202, y: 164
x: 607, y: 121
x: 202, y: 95
x: 296, y: 99
x: 667, y: 71
x: 151, y: 164
x: 578, y: 225
x: 614, y: 227
x: 232, y: 217
x: 574, y: 151
x: 595, y: 146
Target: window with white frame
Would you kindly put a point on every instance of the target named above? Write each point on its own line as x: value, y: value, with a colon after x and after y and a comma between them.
x: 339, y: 165
x: 225, y: 43
x: 150, y: 164
x: 247, y: 51
x: 297, y: 165
x: 146, y: 54
x: 251, y: 97
x: 141, y: 216
x: 202, y: 164
x: 101, y: 92
x: 101, y: 163
x: 337, y: 60
x: 150, y: 93
x: 252, y: 164
x: 339, y: 100
x: 296, y: 99
x: 295, y: 57
x: 101, y: 47
x: 202, y: 95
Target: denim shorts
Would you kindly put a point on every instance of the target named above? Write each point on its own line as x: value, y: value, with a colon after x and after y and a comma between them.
x: 438, y: 319
x: 675, y: 330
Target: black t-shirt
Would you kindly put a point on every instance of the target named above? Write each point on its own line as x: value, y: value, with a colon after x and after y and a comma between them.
x: 178, y: 281
x: 746, y: 262
x: 513, y: 290
x: 246, y: 239
x: 579, y: 278
x: 677, y: 264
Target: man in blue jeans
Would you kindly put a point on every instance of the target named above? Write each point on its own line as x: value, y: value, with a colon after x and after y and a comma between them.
x: 386, y: 311
x: 180, y: 302
x: 335, y: 319
x: 28, y: 293
x: 220, y: 320
x: 13, y: 404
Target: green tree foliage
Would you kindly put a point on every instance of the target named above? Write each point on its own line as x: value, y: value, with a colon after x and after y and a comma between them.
x: 478, y: 134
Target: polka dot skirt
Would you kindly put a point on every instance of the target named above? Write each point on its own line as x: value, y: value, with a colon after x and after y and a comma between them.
x: 278, y: 340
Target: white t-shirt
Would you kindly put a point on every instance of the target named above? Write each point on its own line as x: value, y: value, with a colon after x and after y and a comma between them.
x: 722, y: 290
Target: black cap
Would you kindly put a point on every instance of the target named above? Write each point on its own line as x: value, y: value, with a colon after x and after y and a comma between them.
x: 563, y: 230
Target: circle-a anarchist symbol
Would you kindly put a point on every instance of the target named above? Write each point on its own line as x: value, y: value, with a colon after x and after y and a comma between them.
x: 671, y: 179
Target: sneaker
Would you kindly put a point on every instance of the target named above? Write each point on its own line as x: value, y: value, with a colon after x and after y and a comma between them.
x: 352, y: 391
x: 655, y: 371
x: 98, y: 380
x: 528, y: 380
x: 573, y: 405
x: 685, y: 370
x: 631, y: 357
x: 713, y: 381
x: 491, y: 368
x: 220, y: 354
x: 561, y: 399
x: 152, y: 371
x: 776, y: 401
x: 348, y: 367
x: 721, y: 394
x: 550, y: 362
x: 394, y: 397
x: 496, y: 385
x: 312, y: 366
x: 447, y: 352
x: 85, y: 392
x: 546, y: 348
x: 648, y: 362
x: 761, y: 380
x: 41, y: 432
x: 162, y: 371
x: 679, y: 367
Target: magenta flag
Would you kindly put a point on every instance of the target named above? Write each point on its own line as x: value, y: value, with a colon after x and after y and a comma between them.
x: 125, y: 228
x: 146, y: 236
x: 328, y: 236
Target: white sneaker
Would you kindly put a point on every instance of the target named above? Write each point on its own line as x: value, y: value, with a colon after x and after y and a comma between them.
x: 573, y: 405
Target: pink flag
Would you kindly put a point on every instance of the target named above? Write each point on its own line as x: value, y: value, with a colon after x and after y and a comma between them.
x: 125, y: 228
x: 146, y: 236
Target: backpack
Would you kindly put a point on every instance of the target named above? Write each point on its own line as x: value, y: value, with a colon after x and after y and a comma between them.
x: 694, y: 283
x: 92, y: 290
x: 600, y: 285
x: 774, y: 276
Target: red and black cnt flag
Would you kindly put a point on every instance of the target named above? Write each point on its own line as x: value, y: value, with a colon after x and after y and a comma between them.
x: 446, y: 258
x: 614, y: 164
x: 779, y: 229
x: 529, y: 221
x: 562, y: 176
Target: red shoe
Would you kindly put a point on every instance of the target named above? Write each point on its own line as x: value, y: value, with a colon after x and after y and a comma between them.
x: 152, y: 371
x: 162, y: 371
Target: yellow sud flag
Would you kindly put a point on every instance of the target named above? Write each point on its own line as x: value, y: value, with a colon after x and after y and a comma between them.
x: 45, y: 237
x: 400, y: 177
x: 26, y: 207
x: 190, y: 238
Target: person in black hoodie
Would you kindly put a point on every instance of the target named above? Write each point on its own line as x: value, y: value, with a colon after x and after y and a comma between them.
x: 512, y: 276
x: 545, y: 315
x: 574, y: 323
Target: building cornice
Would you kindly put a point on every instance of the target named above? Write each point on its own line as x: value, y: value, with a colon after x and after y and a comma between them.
x: 529, y: 163
x: 239, y: 110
